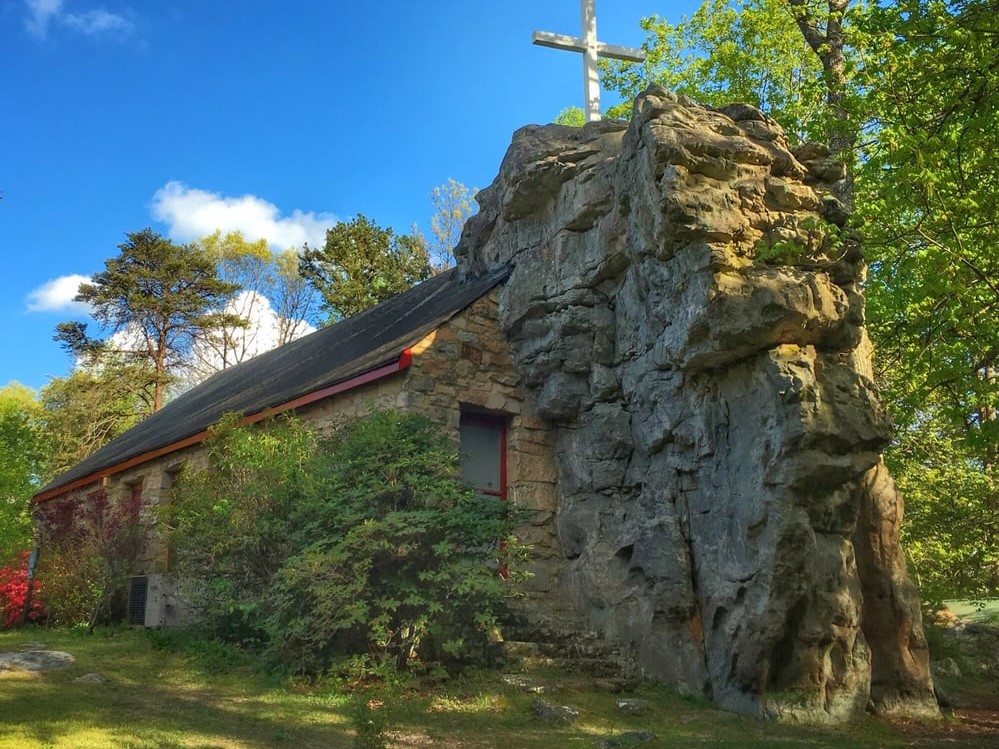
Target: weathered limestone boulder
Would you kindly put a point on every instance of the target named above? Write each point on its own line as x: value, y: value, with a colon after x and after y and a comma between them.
x: 690, y: 319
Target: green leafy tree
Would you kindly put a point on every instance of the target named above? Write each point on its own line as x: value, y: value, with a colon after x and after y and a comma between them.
x: 362, y: 264
x: 88, y: 408
x: 453, y: 205
x: 931, y: 202
x: 363, y: 544
x: 749, y: 52
x: 24, y: 458
x: 951, y: 530
x: 270, y: 304
x: 154, y: 298
x: 571, y: 117
x: 929, y: 199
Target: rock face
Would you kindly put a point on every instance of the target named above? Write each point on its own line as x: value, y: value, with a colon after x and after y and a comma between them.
x: 690, y: 319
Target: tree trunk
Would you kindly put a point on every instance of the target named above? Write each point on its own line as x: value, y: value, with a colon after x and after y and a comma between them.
x: 828, y: 45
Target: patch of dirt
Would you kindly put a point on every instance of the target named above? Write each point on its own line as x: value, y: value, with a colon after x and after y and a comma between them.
x: 974, y: 721
x: 969, y: 727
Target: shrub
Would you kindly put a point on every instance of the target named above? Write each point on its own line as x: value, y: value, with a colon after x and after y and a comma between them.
x: 13, y: 591
x: 363, y: 543
x: 232, y: 523
x: 90, y: 547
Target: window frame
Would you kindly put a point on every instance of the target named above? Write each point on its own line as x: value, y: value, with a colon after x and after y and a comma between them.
x: 498, y: 423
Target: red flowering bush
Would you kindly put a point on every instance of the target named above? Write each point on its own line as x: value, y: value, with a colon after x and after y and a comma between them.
x: 13, y: 589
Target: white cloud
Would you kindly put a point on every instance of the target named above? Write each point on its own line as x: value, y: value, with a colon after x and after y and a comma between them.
x: 44, y: 13
x: 58, y: 295
x: 215, y: 350
x: 192, y: 214
x: 97, y: 22
x: 40, y: 13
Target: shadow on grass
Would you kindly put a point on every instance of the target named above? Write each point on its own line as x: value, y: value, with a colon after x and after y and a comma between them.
x: 161, y: 699
x: 50, y: 711
x: 154, y: 699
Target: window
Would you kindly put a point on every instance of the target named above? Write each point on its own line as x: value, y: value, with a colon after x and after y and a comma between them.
x: 483, y: 453
x: 483, y: 463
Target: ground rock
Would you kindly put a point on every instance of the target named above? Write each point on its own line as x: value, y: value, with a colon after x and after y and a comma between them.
x: 633, y: 706
x: 554, y: 713
x: 628, y: 738
x: 92, y: 678
x: 35, y: 660
x: 945, y: 667
x: 685, y: 323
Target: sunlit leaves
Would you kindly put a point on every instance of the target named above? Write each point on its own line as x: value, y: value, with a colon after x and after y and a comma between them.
x: 362, y: 264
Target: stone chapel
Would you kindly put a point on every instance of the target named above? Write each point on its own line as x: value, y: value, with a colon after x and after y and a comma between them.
x: 654, y: 342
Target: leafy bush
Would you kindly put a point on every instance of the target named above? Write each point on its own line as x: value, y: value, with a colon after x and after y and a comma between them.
x: 89, y: 549
x: 13, y: 591
x: 362, y: 543
x: 951, y: 529
x: 232, y: 523
x: 210, y: 655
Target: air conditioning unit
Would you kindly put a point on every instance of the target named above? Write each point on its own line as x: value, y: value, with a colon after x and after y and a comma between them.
x: 153, y: 602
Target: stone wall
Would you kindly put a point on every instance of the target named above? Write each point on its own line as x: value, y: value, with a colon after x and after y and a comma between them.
x: 463, y: 364
x: 722, y: 507
x: 466, y: 364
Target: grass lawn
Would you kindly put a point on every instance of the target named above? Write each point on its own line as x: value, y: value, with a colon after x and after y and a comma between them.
x: 973, y: 612
x: 161, y: 698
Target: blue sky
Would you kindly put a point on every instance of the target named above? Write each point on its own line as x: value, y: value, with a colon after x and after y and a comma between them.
x: 277, y: 118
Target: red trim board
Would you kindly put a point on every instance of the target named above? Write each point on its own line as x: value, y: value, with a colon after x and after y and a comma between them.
x: 404, y: 361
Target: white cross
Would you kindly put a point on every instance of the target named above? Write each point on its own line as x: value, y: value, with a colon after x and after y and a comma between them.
x: 591, y: 49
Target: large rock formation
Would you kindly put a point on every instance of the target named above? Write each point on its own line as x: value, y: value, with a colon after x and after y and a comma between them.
x: 690, y: 319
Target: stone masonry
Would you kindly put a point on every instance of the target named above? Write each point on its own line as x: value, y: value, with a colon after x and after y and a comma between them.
x: 688, y: 316
x: 464, y: 364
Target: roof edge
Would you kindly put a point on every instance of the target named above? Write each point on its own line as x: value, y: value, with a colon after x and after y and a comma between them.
x: 401, y: 362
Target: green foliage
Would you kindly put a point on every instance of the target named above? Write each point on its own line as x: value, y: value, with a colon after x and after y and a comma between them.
x: 89, y: 548
x: 232, y: 524
x: 928, y: 194
x: 24, y: 458
x: 951, y: 530
x: 156, y: 296
x: 362, y: 264
x: 364, y: 543
x: 571, y: 117
x: 811, y: 241
x: 930, y: 212
x: 211, y: 655
x: 749, y: 52
x: 262, y: 283
x: 453, y: 206
x: 369, y: 717
x: 87, y: 409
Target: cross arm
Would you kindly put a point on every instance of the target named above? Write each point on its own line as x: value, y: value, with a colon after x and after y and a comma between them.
x: 628, y: 54
x: 575, y: 44
x: 558, y: 41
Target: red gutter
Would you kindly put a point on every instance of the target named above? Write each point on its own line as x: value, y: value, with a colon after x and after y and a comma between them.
x: 403, y: 362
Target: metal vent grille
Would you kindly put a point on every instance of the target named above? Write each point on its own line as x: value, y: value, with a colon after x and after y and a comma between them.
x: 138, y: 592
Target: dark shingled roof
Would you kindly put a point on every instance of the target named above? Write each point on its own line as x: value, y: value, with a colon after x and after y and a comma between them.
x: 359, y: 344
